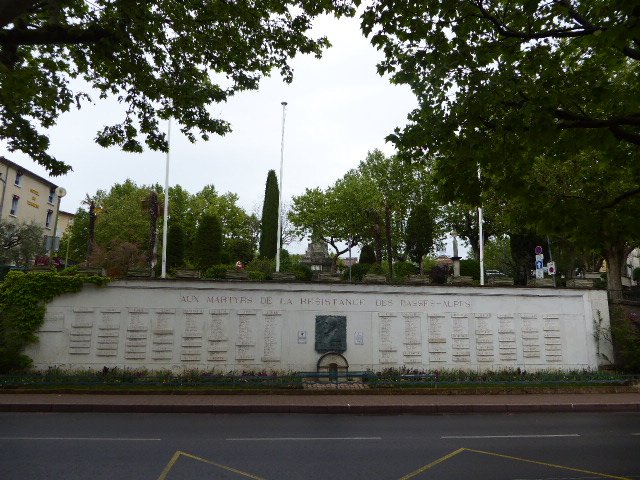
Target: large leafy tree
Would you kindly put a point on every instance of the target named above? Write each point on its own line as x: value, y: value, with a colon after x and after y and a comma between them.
x: 538, y: 96
x: 160, y: 59
x: 337, y: 216
x: 508, y: 65
x: 20, y: 242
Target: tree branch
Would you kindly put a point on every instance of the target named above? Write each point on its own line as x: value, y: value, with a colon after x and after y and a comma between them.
x: 505, y: 31
x: 622, y: 197
x: 54, y: 35
x: 10, y: 10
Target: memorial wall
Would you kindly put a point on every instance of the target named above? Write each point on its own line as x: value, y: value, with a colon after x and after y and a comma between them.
x: 236, y: 326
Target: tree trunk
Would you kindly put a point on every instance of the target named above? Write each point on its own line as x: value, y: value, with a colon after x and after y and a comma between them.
x: 615, y: 255
x: 387, y: 225
x: 377, y: 241
x: 153, y: 233
x: 92, y: 227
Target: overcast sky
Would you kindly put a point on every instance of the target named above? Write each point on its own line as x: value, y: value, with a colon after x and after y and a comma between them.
x: 338, y: 109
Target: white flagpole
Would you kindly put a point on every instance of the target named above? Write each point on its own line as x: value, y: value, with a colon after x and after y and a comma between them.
x: 279, y: 239
x: 166, y: 206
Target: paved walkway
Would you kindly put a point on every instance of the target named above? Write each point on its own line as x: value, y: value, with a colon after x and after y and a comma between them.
x: 318, y: 403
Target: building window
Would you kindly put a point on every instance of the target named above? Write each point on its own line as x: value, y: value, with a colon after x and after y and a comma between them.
x: 52, y: 195
x: 14, y: 205
x: 18, y: 181
x: 47, y: 223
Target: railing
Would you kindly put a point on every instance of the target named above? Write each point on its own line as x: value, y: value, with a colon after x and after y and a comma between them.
x: 123, y: 379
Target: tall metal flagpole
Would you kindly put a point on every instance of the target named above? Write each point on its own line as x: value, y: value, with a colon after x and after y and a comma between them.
x: 284, y: 107
x: 166, y: 206
x: 480, y: 232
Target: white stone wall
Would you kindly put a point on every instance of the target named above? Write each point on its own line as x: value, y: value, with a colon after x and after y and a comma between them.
x: 236, y: 326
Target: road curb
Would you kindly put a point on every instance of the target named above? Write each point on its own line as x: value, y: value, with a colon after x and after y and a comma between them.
x: 426, y: 409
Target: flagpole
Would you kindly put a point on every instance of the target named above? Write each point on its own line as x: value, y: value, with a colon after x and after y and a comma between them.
x: 279, y: 239
x: 166, y: 206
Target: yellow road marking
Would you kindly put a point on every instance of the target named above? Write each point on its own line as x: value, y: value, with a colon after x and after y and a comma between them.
x: 509, y: 457
x: 170, y: 465
x: 179, y: 454
x: 432, y: 464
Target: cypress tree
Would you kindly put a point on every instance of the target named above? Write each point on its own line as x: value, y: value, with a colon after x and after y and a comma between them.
x: 420, y: 232
x: 175, y: 246
x: 208, y: 241
x: 367, y: 255
x: 269, y: 224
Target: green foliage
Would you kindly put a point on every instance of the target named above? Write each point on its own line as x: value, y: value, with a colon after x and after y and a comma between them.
x: 625, y: 334
x: 404, y: 269
x: 175, y: 246
x: 497, y: 255
x: 118, y: 257
x: 636, y: 274
x: 358, y: 271
x: 217, y: 271
x: 538, y: 98
x: 23, y: 297
x: 302, y: 272
x: 239, y: 249
x: 20, y: 242
x: 367, y: 255
x: 261, y: 269
x: 156, y: 58
x: 470, y: 268
x: 208, y: 242
x: 420, y: 231
x: 438, y: 274
x: 269, y: 224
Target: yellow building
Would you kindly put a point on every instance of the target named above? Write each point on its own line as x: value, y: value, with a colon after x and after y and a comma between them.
x: 27, y: 197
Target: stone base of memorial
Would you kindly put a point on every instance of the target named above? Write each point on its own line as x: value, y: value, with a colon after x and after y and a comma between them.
x: 186, y: 273
x: 540, y: 282
x: 283, y: 276
x: 327, y: 277
x: 418, y: 280
x: 139, y: 273
x: 461, y: 280
x: 373, y: 278
x: 500, y: 281
x: 580, y: 283
x: 236, y: 275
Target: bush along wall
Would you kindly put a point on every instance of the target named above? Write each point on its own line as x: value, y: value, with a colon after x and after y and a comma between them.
x: 23, y: 299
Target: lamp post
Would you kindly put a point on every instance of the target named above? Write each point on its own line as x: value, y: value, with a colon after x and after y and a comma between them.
x: 279, y: 239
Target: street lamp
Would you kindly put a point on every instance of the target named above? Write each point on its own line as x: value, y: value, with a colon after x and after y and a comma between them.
x: 279, y: 239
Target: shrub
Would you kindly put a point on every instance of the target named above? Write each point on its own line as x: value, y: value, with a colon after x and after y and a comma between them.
x: 625, y: 334
x: 367, y: 255
x: 217, y: 271
x: 470, y: 268
x: 438, y: 274
x: 358, y: 271
x: 403, y: 269
x: 261, y: 269
x: 302, y: 272
x: 636, y: 274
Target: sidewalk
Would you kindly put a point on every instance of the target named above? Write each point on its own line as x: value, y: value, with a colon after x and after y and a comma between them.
x: 350, y: 404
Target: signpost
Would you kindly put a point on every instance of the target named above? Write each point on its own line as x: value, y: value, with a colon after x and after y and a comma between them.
x: 539, y: 262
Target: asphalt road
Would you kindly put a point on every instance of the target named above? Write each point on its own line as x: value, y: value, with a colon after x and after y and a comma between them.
x: 184, y: 446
